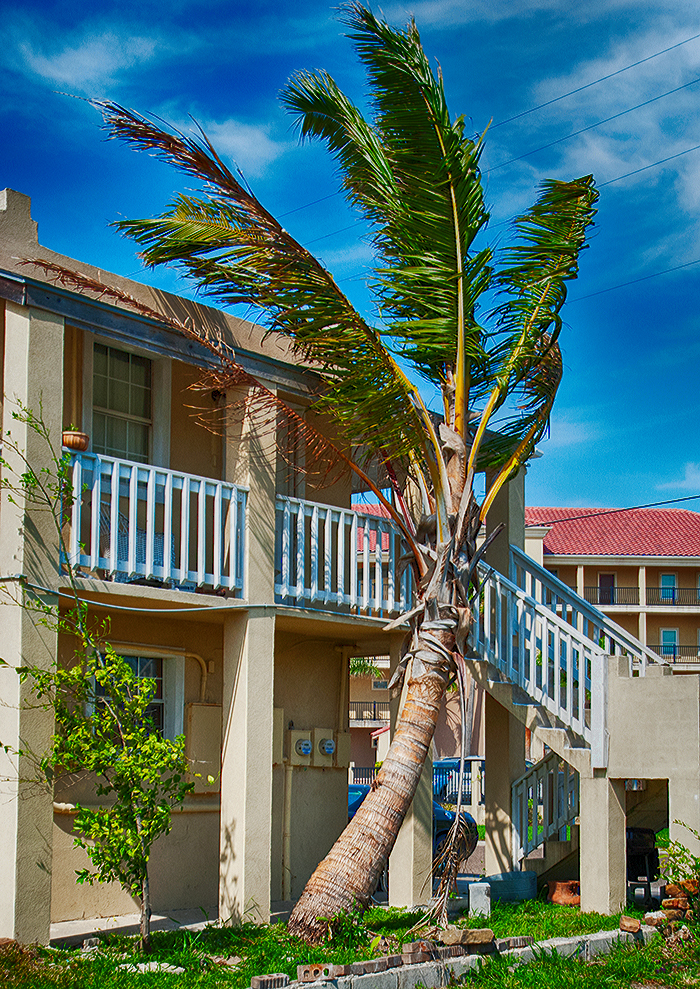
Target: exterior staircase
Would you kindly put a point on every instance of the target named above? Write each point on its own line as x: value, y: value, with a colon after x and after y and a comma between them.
x: 540, y: 650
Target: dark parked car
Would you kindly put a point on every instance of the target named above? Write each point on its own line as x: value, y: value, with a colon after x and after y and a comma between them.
x: 442, y: 819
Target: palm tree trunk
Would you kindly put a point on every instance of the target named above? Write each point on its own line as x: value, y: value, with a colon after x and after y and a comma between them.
x: 348, y: 876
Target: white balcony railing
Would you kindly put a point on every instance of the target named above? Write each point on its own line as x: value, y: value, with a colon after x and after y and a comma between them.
x: 138, y: 522
x: 335, y: 559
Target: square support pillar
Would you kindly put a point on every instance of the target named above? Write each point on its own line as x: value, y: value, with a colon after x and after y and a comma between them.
x: 602, y: 818
x: 411, y: 861
x: 505, y: 762
x: 684, y: 806
x: 246, y: 768
x: 508, y: 508
x: 33, y: 365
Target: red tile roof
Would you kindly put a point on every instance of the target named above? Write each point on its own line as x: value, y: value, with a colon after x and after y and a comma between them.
x: 631, y: 532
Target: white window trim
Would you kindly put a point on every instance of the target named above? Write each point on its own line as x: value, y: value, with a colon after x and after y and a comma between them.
x: 380, y: 685
x: 161, y: 390
x: 173, y: 682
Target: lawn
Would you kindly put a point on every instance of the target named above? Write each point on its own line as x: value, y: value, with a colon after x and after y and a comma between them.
x: 263, y: 949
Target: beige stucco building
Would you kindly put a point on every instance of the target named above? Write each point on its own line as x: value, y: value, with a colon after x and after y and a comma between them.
x: 245, y: 590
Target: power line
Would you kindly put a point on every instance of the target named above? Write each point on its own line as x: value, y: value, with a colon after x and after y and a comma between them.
x: 598, y: 123
x: 661, y: 161
x: 595, y: 82
x: 634, y: 281
x: 616, y: 511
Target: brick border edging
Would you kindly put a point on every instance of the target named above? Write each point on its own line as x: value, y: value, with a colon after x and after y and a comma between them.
x: 435, y: 974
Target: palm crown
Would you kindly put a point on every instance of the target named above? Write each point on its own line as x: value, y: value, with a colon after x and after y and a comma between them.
x: 414, y: 175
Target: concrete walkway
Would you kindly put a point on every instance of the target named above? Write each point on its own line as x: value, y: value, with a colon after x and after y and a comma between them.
x: 72, y: 932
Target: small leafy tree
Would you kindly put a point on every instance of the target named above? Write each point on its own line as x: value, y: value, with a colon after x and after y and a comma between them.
x: 103, y: 727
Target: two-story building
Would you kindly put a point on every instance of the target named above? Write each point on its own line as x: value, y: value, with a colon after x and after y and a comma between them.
x: 245, y: 590
x: 239, y: 585
x: 639, y: 566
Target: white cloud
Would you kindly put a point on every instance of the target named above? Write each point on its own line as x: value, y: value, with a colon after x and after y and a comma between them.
x: 566, y: 432
x: 689, y: 482
x: 93, y: 61
x: 449, y: 12
x: 251, y: 147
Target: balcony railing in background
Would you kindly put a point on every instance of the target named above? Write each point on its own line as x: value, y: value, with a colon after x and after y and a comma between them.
x: 369, y: 710
x: 335, y: 559
x: 444, y: 781
x: 611, y: 595
x: 673, y: 596
x: 673, y: 653
x: 138, y: 522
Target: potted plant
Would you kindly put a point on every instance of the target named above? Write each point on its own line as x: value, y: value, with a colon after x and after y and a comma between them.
x: 74, y: 439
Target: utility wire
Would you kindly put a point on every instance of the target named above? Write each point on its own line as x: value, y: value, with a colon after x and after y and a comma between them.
x: 595, y: 82
x: 598, y: 123
x: 634, y: 281
x: 616, y: 511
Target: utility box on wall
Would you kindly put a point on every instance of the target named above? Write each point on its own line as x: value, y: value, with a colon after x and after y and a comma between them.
x: 300, y: 748
x: 203, y: 746
x: 324, y: 746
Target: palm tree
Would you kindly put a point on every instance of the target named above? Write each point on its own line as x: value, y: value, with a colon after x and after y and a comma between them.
x: 480, y: 324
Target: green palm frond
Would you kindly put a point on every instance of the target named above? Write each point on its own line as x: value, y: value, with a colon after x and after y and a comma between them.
x: 239, y: 253
x: 416, y: 178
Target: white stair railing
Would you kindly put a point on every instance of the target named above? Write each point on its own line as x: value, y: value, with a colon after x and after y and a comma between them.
x: 135, y: 521
x: 536, y: 650
x: 337, y: 559
x: 547, y: 590
x: 544, y: 802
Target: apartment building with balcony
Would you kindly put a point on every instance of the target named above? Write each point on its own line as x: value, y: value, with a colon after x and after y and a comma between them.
x: 245, y: 590
x: 241, y: 586
x: 639, y: 566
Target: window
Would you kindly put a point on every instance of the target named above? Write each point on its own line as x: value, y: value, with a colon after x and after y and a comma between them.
x: 122, y: 407
x: 166, y: 709
x: 380, y: 684
x: 668, y: 587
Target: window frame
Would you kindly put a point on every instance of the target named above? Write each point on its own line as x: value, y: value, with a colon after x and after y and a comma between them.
x: 173, y: 682
x: 161, y: 389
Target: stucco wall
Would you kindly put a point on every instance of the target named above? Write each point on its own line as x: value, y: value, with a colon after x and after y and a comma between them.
x: 308, y: 689
x: 184, y: 864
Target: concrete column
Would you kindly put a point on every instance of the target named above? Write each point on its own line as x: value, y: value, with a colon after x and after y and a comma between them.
x: 580, y: 586
x: 684, y: 806
x: 411, y: 861
x: 505, y: 762
x: 246, y: 768
x: 602, y: 844
x: 33, y: 374
x: 508, y: 507
x: 249, y: 670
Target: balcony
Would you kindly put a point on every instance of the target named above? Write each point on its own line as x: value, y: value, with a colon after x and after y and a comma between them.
x: 134, y: 523
x: 671, y: 597
x: 369, y: 711
x: 674, y: 653
x: 608, y: 596
x: 338, y: 560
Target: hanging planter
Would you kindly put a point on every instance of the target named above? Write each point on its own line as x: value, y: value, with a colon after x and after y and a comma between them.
x: 73, y: 439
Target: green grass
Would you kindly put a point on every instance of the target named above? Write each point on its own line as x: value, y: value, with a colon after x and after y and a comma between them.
x: 625, y: 966
x: 266, y: 949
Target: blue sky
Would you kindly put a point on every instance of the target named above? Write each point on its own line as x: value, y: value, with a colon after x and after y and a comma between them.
x: 624, y: 430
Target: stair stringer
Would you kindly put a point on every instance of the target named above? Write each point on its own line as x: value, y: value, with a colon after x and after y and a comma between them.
x: 544, y: 725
